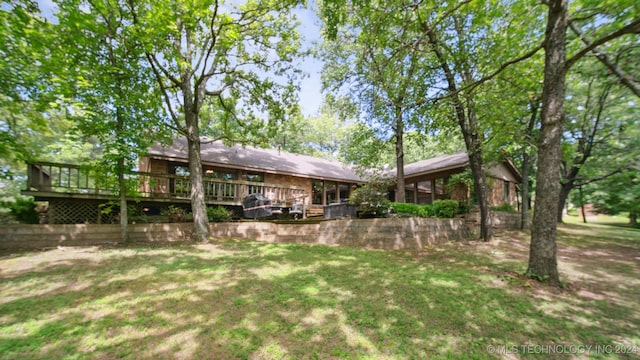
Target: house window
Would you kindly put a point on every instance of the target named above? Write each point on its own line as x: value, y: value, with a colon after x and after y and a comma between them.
x: 214, y: 183
x: 221, y: 174
x: 424, y: 192
x: 180, y: 186
x: 317, y: 190
x: 344, y: 192
x: 181, y: 170
x: 330, y: 189
x: 408, y: 196
x: 507, y: 197
x: 254, y: 177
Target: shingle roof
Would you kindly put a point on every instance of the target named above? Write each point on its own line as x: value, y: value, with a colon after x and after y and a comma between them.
x: 249, y: 157
x: 439, y: 163
x: 454, y: 161
x: 280, y: 162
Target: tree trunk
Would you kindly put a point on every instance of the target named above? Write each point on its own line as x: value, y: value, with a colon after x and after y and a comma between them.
x: 480, y: 184
x: 542, y: 257
x: 525, y: 221
x: 122, y: 186
x: 198, y: 205
x: 565, y: 189
x: 584, y: 214
x: 400, y: 193
x: 524, y: 213
x: 466, y: 116
x: 473, y: 141
x: 124, y: 215
x: 633, y: 218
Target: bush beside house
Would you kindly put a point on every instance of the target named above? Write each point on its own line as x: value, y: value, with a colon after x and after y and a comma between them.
x: 21, y: 210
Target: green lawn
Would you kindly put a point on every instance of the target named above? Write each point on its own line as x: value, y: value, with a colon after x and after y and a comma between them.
x: 239, y: 299
x: 618, y: 220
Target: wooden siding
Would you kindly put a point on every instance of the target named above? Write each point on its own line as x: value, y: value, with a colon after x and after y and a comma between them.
x: 65, y: 181
x: 288, y: 180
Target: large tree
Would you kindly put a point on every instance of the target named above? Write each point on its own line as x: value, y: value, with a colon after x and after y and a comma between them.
x: 598, y: 114
x: 604, y: 24
x: 24, y: 79
x: 105, y: 74
x: 382, y: 68
x: 513, y: 130
x: 459, y: 46
x: 619, y: 193
x: 238, y: 58
x: 321, y: 135
x: 467, y: 42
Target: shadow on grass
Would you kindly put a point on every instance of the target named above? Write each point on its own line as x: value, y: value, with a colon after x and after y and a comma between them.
x: 240, y: 299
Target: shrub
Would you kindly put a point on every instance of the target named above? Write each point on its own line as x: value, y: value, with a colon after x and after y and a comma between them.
x: 465, y: 178
x: 23, y: 210
x: 112, y: 210
x: 371, y: 198
x: 404, y: 208
x: 428, y: 210
x: 440, y: 209
x: 463, y: 208
x: 175, y: 214
x: 218, y: 214
x: 445, y: 208
x: 412, y: 209
x: 504, y: 207
x: 138, y: 219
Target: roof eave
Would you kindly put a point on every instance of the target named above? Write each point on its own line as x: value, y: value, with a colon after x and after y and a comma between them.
x: 257, y: 169
x: 434, y: 171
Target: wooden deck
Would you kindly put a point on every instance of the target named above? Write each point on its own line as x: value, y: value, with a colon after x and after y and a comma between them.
x: 48, y: 181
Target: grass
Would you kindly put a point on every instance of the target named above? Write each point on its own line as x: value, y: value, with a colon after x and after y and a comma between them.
x: 617, y: 220
x: 239, y: 299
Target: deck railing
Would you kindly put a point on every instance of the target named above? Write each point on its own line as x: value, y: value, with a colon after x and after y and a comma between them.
x: 77, y: 179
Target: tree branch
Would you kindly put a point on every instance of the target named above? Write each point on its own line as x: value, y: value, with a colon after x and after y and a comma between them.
x: 503, y: 67
x: 632, y: 28
x: 500, y: 69
x: 625, y: 79
x: 592, y: 180
x: 158, y: 74
x: 214, y: 39
x: 165, y: 94
x: 216, y: 92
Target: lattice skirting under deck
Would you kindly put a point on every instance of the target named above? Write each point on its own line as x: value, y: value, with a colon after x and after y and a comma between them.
x: 78, y: 211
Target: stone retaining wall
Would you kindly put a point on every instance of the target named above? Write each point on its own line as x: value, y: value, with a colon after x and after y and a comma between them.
x: 397, y: 233
x: 46, y: 236
x: 391, y: 233
x: 500, y: 219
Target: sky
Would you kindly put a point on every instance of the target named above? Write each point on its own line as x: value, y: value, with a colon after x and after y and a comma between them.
x: 310, y: 87
x: 310, y: 91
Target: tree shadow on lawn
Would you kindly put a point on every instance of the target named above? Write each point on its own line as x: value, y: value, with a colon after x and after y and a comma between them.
x: 239, y: 299
x: 600, y: 269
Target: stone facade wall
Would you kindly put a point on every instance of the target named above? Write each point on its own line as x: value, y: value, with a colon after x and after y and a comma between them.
x: 461, y: 193
x: 391, y: 233
x: 497, y: 192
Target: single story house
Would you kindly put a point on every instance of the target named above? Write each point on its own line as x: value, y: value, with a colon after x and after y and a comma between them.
x: 233, y: 172
x: 283, y: 177
x: 421, y: 177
